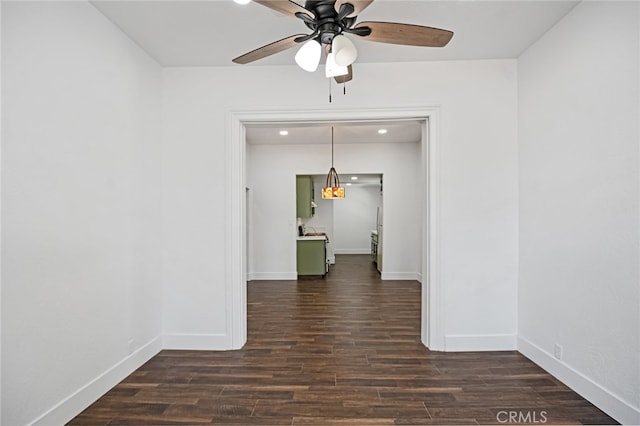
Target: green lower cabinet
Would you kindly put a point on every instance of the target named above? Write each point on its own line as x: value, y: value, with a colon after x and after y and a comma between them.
x: 311, y: 257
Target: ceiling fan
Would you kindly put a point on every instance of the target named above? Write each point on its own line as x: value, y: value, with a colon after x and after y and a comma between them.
x: 329, y: 21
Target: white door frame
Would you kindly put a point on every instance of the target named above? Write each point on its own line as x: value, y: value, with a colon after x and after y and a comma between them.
x: 432, y: 318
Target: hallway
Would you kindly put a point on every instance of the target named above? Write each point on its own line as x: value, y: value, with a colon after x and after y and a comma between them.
x: 344, y: 349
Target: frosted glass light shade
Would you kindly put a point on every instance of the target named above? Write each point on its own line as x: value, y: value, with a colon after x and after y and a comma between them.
x: 332, y: 69
x: 344, y: 50
x: 308, y: 56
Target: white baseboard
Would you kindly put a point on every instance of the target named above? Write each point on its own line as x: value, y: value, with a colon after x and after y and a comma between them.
x: 69, y: 407
x: 353, y: 251
x: 197, y: 342
x: 602, y: 398
x: 399, y: 276
x: 476, y: 343
x: 272, y: 276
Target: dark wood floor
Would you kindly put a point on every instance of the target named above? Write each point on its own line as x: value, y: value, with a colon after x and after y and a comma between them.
x: 340, y: 350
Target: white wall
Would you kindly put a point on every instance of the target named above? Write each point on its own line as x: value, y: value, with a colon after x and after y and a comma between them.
x: 323, y: 218
x: 274, y: 222
x: 478, y: 149
x: 355, y: 218
x: 579, y: 204
x: 81, y: 293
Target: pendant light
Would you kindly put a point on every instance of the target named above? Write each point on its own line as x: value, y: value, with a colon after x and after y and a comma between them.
x: 332, y: 187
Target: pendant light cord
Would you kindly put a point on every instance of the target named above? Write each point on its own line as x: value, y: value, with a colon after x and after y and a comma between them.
x: 333, y: 180
x: 332, y: 147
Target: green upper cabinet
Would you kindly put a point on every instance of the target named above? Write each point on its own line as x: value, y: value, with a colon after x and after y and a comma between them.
x: 304, y: 196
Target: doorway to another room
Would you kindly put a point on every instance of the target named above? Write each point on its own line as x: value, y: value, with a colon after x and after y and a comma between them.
x: 239, y: 160
x: 351, y: 225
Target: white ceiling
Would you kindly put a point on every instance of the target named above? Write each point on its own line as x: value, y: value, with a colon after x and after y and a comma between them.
x: 212, y: 32
x: 182, y: 33
x: 404, y: 131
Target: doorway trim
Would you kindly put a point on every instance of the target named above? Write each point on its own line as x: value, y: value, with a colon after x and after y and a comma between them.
x: 432, y: 317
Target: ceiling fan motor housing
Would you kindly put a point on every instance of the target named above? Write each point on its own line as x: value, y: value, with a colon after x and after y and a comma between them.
x: 327, y: 23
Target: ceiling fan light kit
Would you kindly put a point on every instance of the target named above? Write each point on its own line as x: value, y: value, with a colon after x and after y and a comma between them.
x: 328, y: 21
x: 344, y: 51
x: 332, y: 69
x: 308, y: 56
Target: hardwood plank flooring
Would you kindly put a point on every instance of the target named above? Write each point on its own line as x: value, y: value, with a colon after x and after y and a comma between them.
x: 339, y: 350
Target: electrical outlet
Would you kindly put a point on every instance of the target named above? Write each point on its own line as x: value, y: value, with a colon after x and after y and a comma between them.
x: 557, y: 352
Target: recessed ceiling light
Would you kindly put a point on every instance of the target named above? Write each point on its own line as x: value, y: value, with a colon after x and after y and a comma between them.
x: 242, y: 1
x: 348, y: 184
x: 284, y: 132
x: 382, y: 131
x: 354, y: 177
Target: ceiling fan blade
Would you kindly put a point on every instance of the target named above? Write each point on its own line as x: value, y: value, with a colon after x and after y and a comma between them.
x: 407, y: 34
x: 307, y: 37
x: 344, y: 78
x: 358, y: 5
x: 362, y: 31
x: 286, y: 7
x: 345, y: 10
x: 268, y: 50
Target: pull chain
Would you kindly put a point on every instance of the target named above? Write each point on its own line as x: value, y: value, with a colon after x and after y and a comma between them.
x: 344, y: 90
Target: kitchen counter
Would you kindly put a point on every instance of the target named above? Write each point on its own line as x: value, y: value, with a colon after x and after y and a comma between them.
x: 312, y: 237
